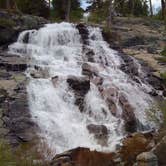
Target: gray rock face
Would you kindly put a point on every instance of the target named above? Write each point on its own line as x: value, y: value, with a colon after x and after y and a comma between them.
x: 16, y: 125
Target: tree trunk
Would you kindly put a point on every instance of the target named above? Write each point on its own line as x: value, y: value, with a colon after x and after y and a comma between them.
x: 16, y: 7
x: 109, y: 21
x: 163, y: 5
x: 8, y: 4
x: 67, y: 17
x: 151, y: 8
x: 49, y: 3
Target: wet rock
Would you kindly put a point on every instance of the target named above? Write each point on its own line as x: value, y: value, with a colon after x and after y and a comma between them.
x: 155, y: 81
x: 40, y: 73
x: 83, y: 157
x: 164, y: 93
x: 147, y: 159
x: 89, y: 70
x: 128, y: 114
x: 100, y: 133
x: 26, y: 38
x: 110, y: 95
x: 12, y: 62
x: 129, y: 66
x: 54, y: 80
x: 84, y: 33
x: 160, y: 151
x: 132, y: 146
x: 88, y: 54
x: 97, y: 81
x: 80, y: 85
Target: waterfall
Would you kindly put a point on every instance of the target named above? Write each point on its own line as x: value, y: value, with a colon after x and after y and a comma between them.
x: 58, y: 52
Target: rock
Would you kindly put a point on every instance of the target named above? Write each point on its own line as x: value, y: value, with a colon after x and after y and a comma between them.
x: 12, y: 62
x: 160, y: 151
x: 110, y: 95
x: 128, y: 114
x: 88, y: 54
x: 89, y: 70
x: 151, y: 50
x: 97, y: 81
x: 54, y: 80
x: 155, y: 81
x: 3, y: 132
x: 133, y: 146
x: 84, y: 33
x: 147, y: 159
x: 164, y: 93
x: 26, y: 38
x: 11, y: 24
x: 3, y: 95
x: 39, y: 73
x: 80, y: 85
x: 83, y: 157
x: 100, y: 133
x: 129, y: 65
x: 133, y: 41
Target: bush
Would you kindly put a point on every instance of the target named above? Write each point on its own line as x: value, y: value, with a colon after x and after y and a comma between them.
x: 163, y: 52
x: 21, y: 156
x: 7, y: 22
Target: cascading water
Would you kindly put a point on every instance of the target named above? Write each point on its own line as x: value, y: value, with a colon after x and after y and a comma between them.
x: 57, y: 50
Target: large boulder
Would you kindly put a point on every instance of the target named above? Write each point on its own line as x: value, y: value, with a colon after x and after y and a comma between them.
x: 133, y: 145
x: 83, y: 157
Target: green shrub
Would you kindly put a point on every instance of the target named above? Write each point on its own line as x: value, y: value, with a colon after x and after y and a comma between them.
x: 163, y: 52
x: 22, y: 156
x: 6, y: 22
x: 163, y: 76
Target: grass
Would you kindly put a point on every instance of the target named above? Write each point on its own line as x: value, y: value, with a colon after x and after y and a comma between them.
x: 163, y: 76
x: 20, y: 156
